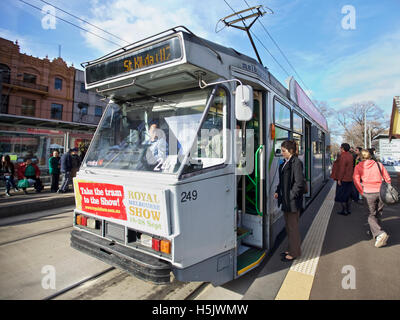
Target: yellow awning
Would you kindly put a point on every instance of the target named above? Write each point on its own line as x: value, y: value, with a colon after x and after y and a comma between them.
x: 394, y: 131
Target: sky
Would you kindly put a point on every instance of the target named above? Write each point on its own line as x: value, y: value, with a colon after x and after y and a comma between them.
x: 341, y: 52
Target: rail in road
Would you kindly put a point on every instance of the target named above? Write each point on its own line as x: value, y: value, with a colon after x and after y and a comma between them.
x: 36, y: 246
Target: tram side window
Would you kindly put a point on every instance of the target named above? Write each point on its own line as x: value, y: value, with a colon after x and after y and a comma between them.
x: 282, y: 125
x: 282, y: 115
x: 298, y: 131
x: 280, y: 136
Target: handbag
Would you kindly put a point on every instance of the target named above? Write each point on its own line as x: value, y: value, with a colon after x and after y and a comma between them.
x: 387, y: 192
x: 23, y: 183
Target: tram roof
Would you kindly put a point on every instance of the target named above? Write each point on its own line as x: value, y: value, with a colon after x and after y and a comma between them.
x: 196, y: 54
x: 189, y: 35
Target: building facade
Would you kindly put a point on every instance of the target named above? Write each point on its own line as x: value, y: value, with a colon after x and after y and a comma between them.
x: 88, y: 106
x: 36, y: 107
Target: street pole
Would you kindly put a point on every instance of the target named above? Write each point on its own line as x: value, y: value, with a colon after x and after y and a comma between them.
x: 365, y: 128
x: 370, y: 136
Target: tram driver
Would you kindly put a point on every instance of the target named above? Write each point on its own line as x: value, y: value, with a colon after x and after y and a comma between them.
x: 157, y: 151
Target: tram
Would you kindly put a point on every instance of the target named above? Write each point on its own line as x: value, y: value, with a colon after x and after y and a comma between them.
x: 180, y: 175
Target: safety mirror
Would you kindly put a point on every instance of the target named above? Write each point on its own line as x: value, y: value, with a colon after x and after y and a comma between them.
x: 244, y: 103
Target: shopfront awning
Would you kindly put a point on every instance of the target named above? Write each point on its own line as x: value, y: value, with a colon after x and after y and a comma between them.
x: 15, y: 120
x: 394, y: 131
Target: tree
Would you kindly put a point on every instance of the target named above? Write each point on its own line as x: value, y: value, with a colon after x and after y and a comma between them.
x: 352, y: 121
x: 348, y: 124
x: 330, y: 115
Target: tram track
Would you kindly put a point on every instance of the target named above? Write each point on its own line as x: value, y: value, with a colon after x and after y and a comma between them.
x: 88, y: 287
x: 34, y: 235
x: 103, y: 280
x: 79, y: 283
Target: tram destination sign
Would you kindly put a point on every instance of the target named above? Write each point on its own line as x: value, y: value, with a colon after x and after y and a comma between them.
x: 134, y: 61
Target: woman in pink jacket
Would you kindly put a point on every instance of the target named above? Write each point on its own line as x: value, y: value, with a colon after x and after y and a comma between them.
x: 368, y: 180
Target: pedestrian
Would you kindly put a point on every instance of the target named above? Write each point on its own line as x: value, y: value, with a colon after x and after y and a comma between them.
x: 8, y: 171
x: 66, y: 167
x: 334, y: 167
x: 368, y: 180
x: 76, y: 162
x: 358, y: 155
x: 30, y: 171
x: 354, y: 154
x: 344, y: 178
x: 54, y: 170
x: 372, y: 152
x: 289, y: 193
x: 357, y: 196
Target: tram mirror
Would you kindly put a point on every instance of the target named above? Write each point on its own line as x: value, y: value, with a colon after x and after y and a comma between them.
x: 244, y: 103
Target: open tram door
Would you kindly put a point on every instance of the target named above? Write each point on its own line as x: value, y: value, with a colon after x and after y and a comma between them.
x: 250, y: 192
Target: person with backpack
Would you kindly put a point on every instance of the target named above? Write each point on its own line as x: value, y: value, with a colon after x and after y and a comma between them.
x: 368, y: 179
x: 289, y: 193
x: 30, y: 171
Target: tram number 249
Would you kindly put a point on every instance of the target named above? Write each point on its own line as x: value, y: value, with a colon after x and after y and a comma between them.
x: 189, y: 196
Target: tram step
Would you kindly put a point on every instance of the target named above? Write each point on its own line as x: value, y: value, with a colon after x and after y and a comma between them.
x: 249, y: 260
x: 243, y: 232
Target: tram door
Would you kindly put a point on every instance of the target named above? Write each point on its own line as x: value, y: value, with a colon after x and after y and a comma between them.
x: 323, y: 150
x: 307, y: 158
x: 251, y: 188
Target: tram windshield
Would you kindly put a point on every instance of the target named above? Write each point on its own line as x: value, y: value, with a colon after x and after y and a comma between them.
x: 155, y: 133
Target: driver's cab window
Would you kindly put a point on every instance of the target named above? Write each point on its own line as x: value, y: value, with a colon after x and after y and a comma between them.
x: 211, y: 136
x: 158, y: 133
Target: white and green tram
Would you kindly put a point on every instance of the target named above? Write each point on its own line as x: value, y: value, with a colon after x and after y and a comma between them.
x: 180, y: 175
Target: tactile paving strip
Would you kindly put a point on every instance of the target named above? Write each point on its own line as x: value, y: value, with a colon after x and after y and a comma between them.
x: 312, y: 244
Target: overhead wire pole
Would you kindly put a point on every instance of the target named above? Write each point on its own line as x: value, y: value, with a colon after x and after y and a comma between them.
x: 246, y: 28
x: 280, y: 50
x: 266, y: 49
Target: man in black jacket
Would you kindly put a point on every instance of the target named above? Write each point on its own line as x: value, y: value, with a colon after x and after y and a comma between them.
x: 66, y: 167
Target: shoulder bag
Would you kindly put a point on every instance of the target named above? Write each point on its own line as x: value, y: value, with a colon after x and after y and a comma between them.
x: 388, y: 193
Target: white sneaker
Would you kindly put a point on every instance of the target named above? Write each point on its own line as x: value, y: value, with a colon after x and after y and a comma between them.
x: 381, y: 240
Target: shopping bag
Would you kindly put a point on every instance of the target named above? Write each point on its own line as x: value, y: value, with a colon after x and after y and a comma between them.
x: 23, y: 183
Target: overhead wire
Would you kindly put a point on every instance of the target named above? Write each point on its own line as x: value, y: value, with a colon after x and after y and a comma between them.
x: 280, y: 50
x: 79, y: 27
x: 87, y: 22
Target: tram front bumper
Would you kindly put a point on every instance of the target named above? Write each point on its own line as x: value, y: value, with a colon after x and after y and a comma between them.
x: 140, y: 265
